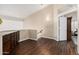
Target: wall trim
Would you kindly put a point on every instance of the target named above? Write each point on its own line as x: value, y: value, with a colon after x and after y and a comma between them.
x: 26, y: 39
x: 54, y: 38
x: 48, y: 38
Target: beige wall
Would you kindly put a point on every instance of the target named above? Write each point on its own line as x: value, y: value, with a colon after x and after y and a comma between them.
x: 24, y: 34
x: 43, y: 19
x: 27, y: 34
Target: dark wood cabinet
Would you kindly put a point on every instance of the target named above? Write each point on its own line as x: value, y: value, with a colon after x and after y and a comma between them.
x: 9, y: 42
x: 6, y: 44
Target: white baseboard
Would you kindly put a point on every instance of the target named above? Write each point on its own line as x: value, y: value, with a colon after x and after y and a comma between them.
x: 37, y: 38
x: 26, y: 39
x: 49, y: 38
x: 22, y: 40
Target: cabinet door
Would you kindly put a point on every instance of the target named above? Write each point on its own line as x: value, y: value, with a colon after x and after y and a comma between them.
x: 17, y: 37
x: 13, y: 40
x: 10, y: 42
x: 6, y: 44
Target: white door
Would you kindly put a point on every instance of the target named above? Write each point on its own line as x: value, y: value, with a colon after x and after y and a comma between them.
x: 62, y: 28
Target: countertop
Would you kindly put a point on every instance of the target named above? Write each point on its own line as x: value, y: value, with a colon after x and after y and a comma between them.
x: 4, y: 32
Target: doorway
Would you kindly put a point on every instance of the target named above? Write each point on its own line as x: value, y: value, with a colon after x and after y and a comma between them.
x: 69, y: 32
x: 68, y: 27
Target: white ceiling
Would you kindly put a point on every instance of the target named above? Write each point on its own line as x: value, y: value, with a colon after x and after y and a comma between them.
x: 19, y: 10
x: 66, y: 7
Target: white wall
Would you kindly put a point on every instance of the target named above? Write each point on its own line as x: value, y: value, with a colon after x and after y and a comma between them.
x: 56, y: 24
x: 0, y: 44
x: 10, y: 23
x: 24, y: 34
x: 56, y: 7
x: 78, y: 30
x: 42, y: 19
x: 39, y: 21
x: 28, y: 34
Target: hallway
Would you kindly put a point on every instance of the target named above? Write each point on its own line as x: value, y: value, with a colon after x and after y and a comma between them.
x: 45, y: 46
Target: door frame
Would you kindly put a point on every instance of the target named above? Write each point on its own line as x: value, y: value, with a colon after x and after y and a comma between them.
x: 58, y: 31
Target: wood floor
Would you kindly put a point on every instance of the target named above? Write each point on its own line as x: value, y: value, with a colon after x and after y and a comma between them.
x: 45, y: 46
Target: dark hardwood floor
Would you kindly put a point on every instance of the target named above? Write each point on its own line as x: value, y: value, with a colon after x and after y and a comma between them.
x: 45, y: 46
